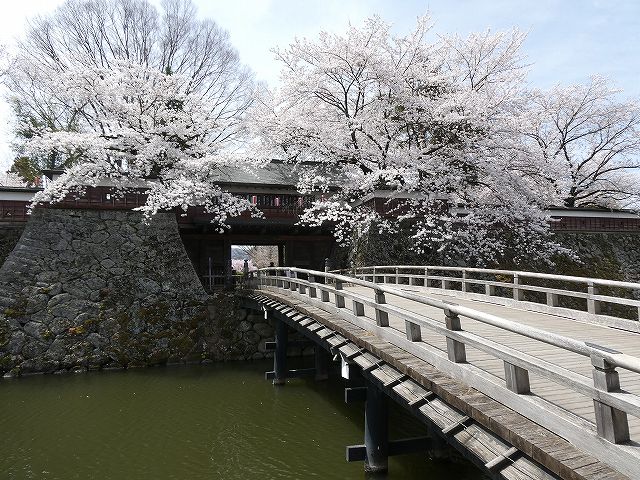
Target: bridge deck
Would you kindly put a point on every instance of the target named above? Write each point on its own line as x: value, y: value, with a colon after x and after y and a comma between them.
x: 626, y: 342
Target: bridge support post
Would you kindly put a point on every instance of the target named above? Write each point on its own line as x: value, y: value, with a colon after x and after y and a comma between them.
x: 376, y: 435
x: 321, y: 358
x: 280, y: 355
x: 611, y: 423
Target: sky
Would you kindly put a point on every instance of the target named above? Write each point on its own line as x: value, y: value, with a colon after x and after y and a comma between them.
x: 568, y: 40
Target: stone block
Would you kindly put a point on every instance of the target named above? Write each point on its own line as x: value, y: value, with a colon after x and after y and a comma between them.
x: 263, y: 329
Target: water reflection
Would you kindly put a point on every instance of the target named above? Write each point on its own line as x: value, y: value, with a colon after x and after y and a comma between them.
x: 221, y: 421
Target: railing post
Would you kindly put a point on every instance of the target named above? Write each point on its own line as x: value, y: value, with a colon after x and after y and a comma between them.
x: 302, y: 288
x: 397, y: 276
x: 612, y: 424
x: 552, y: 299
x: 375, y: 279
x: 426, y: 277
x: 358, y: 308
x: 518, y: 293
x: 455, y: 349
x: 489, y: 289
x: 593, y: 306
x: 517, y: 378
x: 464, y: 281
x: 312, y: 290
x: 413, y: 331
x: 279, y: 282
x: 293, y: 286
x: 382, y: 317
x: 339, y: 298
x: 326, y: 264
x: 324, y: 294
x: 286, y: 284
x: 444, y: 284
x: 413, y: 280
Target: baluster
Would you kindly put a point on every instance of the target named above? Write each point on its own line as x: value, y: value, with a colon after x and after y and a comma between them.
x: 324, y: 294
x: 413, y: 331
x: 517, y: 378
x: 312, y: 290
x: 358, y: 308
x: 444, y: 284
x: 552, y: 299
x: 339, y: 298
x: 593, y: 306
x: 397, y: 276
x: 426, y: 277
x: 302, y: 288
x: 464, y: 281
x: 286, y: 284
x: 518, y: 293
x: 611, y: 423
x: 489, y: 289
x: 455, y: 349
x: 382, y: 317
x: 293, y: 285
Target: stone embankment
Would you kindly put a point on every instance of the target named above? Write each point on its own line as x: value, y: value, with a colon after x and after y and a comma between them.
x: 101, y: 289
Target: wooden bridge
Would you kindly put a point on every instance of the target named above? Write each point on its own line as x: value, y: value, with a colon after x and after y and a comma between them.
x: 527, y: 374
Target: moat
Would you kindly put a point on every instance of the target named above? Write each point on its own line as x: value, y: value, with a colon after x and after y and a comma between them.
x: 217, y: 421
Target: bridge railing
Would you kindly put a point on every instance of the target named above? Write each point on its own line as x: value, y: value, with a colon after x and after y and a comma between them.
x: 578, y: 294
x: 611, y: 404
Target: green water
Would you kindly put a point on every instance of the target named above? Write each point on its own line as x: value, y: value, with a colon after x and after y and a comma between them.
x: 221, y: 421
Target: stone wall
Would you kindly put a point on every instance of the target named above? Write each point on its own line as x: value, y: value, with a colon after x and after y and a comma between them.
x: 93, y: 289
x: 610, y: 255
x: 614, y: 255
x: 9, y: 236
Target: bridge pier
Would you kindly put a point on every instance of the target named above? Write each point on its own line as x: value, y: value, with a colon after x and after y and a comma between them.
x: 321, y: 358
x: 376, y: 431
x: 280, y: 355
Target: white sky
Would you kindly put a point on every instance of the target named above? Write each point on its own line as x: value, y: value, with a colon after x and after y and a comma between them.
x: 568, y: 39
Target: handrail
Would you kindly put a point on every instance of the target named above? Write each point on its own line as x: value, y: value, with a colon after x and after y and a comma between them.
x: 420, y: 275
x: 611, y: 403
x: 520, y: 273
x: 613, y: 357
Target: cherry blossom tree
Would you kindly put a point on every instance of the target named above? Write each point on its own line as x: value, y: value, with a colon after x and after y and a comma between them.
x: 590, y: 141
x: 433, y: 123
x: 138, y: 128
x: 91, y: 34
